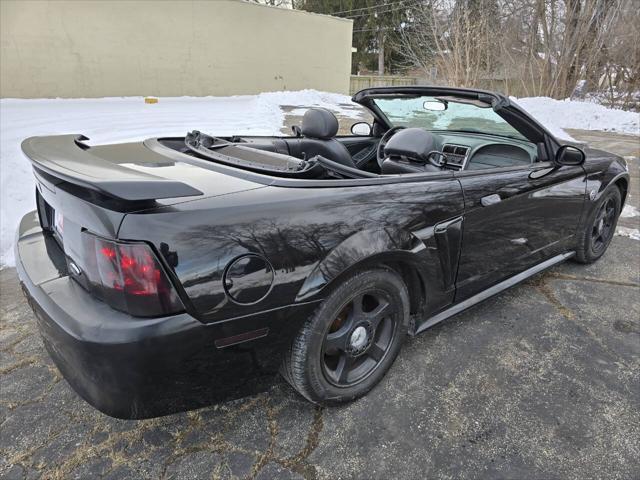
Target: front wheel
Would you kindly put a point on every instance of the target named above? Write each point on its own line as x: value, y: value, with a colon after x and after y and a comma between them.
x: 352, y: 339
x: 600, y: 227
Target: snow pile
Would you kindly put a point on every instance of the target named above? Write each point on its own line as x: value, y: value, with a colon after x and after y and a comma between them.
x: 559, y: 114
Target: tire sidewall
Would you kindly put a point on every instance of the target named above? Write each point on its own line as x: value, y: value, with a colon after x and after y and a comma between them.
x: 319, y: 387
x: 589, y: 253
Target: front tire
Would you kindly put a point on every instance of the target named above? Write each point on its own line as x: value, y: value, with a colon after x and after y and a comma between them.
x: 600, y: 227
x: 351, y: 340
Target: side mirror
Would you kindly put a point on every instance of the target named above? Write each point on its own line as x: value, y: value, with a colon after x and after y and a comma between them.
x: 569, y: 155
x: 361, y: 128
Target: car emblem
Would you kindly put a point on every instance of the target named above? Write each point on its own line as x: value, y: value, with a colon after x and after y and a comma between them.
x: 359, y: 337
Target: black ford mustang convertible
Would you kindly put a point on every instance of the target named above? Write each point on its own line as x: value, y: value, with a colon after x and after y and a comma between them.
x: 175, y: 272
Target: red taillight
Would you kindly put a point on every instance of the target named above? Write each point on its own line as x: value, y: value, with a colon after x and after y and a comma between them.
x: 128, y: 277
x: 142, y: 274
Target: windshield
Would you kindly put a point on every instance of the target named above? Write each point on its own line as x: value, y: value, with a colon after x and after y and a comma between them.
x: 445, y: 113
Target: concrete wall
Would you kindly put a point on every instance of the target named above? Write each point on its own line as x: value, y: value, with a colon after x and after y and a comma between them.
x: 96, y: 48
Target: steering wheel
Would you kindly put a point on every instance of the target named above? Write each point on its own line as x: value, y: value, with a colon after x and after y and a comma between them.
x: 383, y: 142
x: 437, y: 158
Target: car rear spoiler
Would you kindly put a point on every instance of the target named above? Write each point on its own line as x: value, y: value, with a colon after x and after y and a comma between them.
x: 66, y: 158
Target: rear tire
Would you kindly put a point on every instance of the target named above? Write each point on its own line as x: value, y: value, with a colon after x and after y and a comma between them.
x: 353, y: 337
x: 595, y: 237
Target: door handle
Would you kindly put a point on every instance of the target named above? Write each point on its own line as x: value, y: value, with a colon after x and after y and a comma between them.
x: 490, y: 200
x: 541, y: 172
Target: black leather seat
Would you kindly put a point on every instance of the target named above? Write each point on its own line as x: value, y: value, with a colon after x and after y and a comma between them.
x: 319, y: 127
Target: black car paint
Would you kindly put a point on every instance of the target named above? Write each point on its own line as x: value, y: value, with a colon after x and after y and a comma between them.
x: 139, y: 368
x: 536, y: 218
x: 433, y: 229
x: 347, y: 225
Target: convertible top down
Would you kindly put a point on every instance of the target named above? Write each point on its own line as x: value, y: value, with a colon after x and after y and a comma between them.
x: 176, y: 272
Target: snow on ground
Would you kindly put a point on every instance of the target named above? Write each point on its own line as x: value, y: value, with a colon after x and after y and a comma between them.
x: 108, y: 120
x: 339, y: 104
x: 629, y: 211
x: 632, y: 233
x: 560, y: 114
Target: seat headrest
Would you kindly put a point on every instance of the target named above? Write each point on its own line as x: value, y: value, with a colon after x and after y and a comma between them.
x: 413, y: 143
x: 319, y: 123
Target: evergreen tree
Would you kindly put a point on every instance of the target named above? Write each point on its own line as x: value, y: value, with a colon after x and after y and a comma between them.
x: 377, y: 27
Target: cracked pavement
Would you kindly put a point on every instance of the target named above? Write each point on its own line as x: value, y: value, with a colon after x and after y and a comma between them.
x: 541, y: 381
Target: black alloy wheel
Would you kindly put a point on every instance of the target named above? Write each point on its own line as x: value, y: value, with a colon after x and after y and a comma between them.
x: 603, y: 225
x: 352, y: 339
x: 596, y: 235
x: 359, y: 338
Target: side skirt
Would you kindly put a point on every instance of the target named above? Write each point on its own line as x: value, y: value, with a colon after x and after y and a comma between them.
x: 490, y: 292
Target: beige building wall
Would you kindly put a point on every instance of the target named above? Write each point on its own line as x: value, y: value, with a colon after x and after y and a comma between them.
x: 95, y: 48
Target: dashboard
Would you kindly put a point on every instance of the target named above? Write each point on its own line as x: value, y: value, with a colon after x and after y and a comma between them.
x: 466, y: 151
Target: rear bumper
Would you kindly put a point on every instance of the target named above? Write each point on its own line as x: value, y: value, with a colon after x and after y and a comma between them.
x: 129, y: 367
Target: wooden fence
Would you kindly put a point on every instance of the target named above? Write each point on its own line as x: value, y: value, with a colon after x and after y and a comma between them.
x: 508, y: 86
x: 358, y: 82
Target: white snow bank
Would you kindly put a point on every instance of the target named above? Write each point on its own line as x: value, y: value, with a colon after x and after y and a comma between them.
x: 559, y: 114
x: 108, y: 120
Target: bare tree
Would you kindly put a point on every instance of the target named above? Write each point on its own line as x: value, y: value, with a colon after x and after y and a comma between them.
x: 529, y: 47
